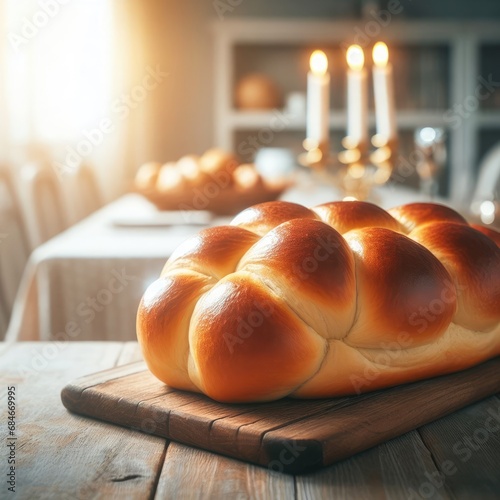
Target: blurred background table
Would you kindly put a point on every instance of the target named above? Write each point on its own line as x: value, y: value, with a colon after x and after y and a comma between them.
x: 94, y: 274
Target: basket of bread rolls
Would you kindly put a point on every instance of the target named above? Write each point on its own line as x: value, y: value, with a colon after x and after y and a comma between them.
x: 215, y: 181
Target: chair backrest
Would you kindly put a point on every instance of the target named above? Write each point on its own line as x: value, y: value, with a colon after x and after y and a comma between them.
x: 81, y: 193
x: 4, y: 315
x: 14, y: 246
x: 88, y: 196
x: 44, y: 205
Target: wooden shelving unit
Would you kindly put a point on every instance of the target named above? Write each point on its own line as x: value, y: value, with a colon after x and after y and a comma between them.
x: 241, y: 44
x: 243, y: 120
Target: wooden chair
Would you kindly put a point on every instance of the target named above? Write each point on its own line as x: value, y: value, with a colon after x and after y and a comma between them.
x: 80, y: 192
x: 87, y: 197
x: 4, y: 313
x: 45, y: 210
x: 14, y: 246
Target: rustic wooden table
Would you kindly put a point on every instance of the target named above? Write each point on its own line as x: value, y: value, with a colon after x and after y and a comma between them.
x: 61, y: 455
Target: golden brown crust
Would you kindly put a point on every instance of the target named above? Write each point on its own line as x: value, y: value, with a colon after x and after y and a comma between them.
x: 401, y: 287
x: 163, y: 323
x: 247, y: 344
x: 414, y: 214
x: 349, y: 370
x: 280, y: 303
x: 345, y: 216
x: 215, y: 251
x: 261, y: 218
x: 473, y: 261
x: 488, y: 231
x: 310, y: 265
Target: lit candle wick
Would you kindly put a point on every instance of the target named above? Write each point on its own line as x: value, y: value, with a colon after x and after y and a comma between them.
x: 318, y: 63
x: 355, y: 57
x: 380, y: 54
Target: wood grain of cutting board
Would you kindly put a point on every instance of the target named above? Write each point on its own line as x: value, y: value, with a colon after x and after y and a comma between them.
x: 292, y: 436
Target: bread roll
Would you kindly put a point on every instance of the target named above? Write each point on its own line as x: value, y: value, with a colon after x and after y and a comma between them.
x: 416, y: 214
x: 170, y: 179
x: 147, y: 175
x: 216, y: 162
x: 339, y: 299
x: 261, y: 218
x: 346, y: 216
x: 189, y: 167
x: 246, y: 178
x: 491, y: 233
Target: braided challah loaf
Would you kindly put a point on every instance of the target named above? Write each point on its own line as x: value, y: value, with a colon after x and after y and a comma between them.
x: 339, y: 299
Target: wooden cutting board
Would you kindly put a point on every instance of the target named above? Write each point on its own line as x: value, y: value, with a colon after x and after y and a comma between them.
x: 292, y: 436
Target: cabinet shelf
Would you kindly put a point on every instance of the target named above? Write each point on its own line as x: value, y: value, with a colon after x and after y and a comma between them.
x: 282, y: 120
x: 436, y: 66
x: 488, y: 119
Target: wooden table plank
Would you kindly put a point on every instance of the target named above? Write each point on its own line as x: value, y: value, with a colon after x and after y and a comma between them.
x: 466, y: 449
x: 389, y: 471
x: 247, y: 428
x: 307, y: 434
x: 367, y: 424
x: 84, y: 383
x: 131, y: 353
x: 60, y: 455
x: 221, y: 477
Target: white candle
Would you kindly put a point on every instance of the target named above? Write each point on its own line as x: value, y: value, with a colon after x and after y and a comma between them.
x: 357, y: 96
x: 385, y: 114
x: 318, y: 99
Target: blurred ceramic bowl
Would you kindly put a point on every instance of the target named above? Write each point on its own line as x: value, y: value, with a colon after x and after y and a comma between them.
x: 257, y: 91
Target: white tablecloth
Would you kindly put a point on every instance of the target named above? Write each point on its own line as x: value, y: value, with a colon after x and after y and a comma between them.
x: 86, y: 283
